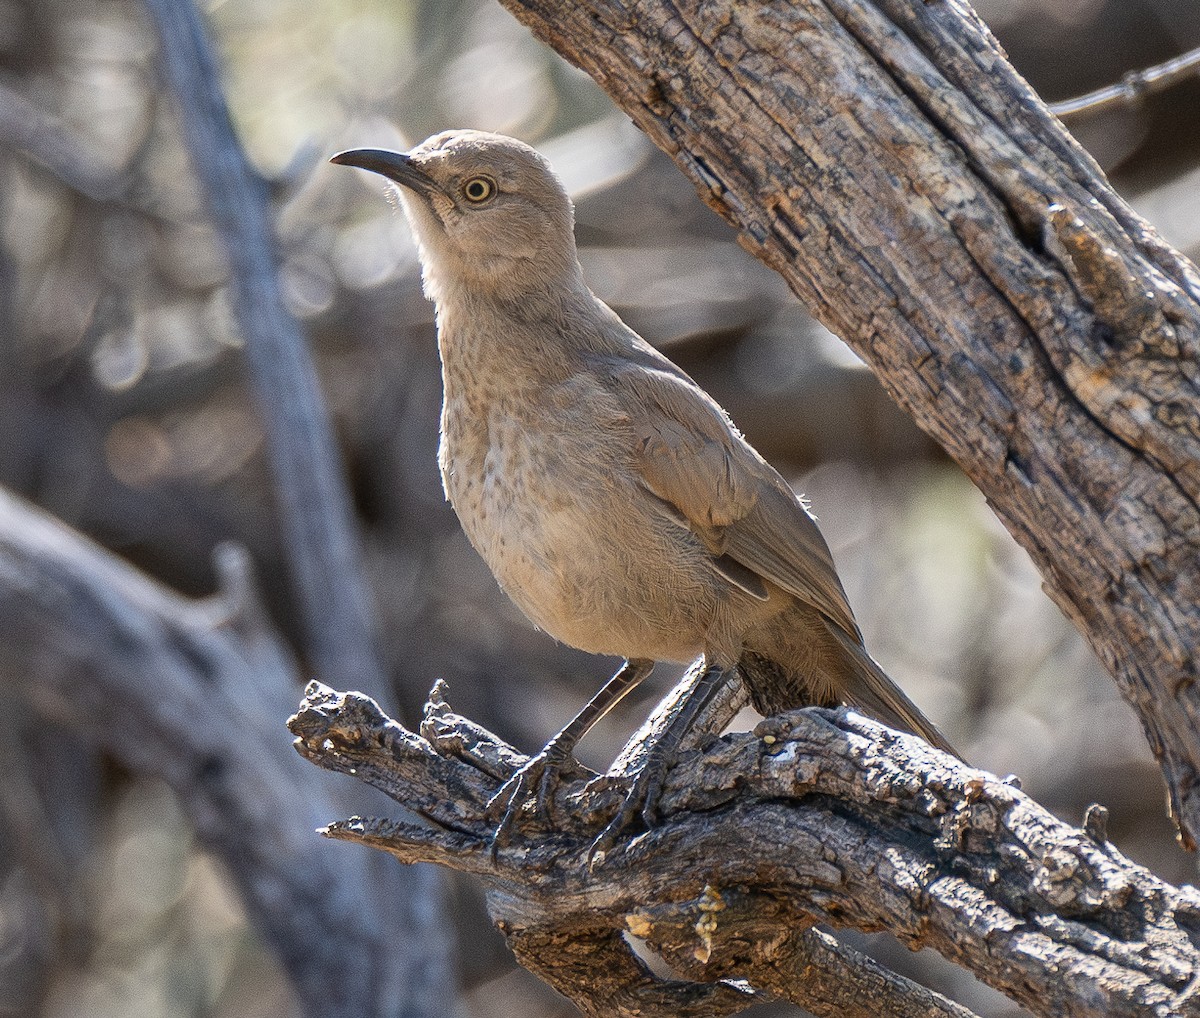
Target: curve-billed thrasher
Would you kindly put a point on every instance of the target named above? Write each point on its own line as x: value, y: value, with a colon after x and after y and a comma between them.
x: 611, y: 496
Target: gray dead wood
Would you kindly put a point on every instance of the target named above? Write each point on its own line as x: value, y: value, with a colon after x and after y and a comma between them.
x: 193, y: 692
x: 24, y: 127
x: 885, y: 158
x: 314, y: 505
x: 815, y: 817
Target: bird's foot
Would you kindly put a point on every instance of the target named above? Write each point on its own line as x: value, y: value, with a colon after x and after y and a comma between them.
x: 535, y: 783
x: 640, y: 801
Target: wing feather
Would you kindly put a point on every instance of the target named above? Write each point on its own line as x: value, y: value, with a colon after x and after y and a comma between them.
x: 691, y: 457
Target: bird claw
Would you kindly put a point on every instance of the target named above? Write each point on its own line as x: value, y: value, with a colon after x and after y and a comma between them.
x: 537, y: 781
x: 641, y: 801
x: 539, y: 775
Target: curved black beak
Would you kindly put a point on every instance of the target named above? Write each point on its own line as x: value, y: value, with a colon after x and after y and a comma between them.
x: 397, y: 166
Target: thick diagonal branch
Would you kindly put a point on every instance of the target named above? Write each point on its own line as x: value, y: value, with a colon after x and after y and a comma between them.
x: 885, y: 158
x: 816, y: 817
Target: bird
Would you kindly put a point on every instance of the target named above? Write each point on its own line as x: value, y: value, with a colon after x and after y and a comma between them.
x: 612, y: 497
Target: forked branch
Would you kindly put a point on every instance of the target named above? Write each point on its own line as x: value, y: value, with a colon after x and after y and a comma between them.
x: 816, y: 817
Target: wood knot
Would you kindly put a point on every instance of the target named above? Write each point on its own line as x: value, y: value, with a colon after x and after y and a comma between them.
x: 1123, y: 297
x: 972, y: 824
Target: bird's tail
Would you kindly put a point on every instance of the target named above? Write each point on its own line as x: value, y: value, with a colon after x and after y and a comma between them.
x: 869, y: 687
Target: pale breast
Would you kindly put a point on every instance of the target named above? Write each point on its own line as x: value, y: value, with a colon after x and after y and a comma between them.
x: 548, y: 501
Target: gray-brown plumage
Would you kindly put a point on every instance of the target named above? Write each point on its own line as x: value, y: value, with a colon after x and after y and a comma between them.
x: 612, y: 497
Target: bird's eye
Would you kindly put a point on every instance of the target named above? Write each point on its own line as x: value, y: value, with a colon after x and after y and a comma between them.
x: 477, y: 190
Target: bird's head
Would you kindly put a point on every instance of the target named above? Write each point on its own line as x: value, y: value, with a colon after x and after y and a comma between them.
x: 487, y: 211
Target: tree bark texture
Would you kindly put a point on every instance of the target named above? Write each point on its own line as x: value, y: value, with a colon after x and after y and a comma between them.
x: 885, y: 158
x: 193, y: 692
x: 815, y: 817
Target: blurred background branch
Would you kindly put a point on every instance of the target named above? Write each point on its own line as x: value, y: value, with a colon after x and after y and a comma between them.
x: 124, y: 411
x: 191, y: 693
x: 1132, y: 87
x: 314, y: 506
x: 23, y: 126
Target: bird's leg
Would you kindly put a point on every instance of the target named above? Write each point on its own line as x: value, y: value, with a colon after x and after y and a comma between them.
x: 540, y: 773
x: 648, y: 782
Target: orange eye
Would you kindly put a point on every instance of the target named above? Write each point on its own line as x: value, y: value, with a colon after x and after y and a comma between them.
x: 477, y: 190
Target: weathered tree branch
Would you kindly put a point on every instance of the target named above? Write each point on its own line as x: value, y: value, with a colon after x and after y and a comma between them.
x: 817, y: 816
x: 193, y: 692
x: 885, y: 158
x: 323, y: 555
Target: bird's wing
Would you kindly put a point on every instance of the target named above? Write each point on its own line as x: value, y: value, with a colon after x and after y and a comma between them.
x: 689, y: 455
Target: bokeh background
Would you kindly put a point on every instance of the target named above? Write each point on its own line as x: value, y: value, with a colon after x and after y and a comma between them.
x: 124, y: 410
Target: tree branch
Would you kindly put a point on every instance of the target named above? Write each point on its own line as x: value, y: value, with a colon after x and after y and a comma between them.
x: 815, y: 817
x: 26, y: 128
x: 323, y: 555
x: 885, y: 158
x: 1133, y: 87
x: 192, y: 692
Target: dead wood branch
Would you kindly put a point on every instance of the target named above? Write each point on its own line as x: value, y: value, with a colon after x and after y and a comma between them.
x: 815, y: 817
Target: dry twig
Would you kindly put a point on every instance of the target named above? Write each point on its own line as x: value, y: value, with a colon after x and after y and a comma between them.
x: 1133, y: 87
